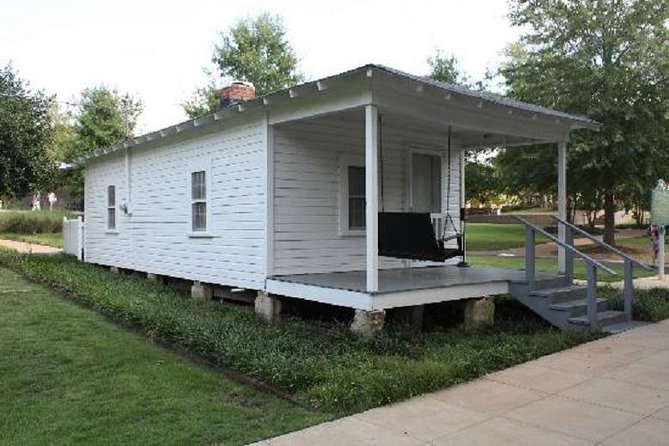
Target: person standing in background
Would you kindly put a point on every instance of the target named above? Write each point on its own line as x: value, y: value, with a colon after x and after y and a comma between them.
x: 52, y: 200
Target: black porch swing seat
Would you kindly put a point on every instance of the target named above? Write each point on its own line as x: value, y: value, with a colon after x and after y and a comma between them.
x: 410, y: 235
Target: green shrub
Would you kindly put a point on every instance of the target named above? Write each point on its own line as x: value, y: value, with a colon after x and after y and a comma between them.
x: 31, y: 222
x: 632, y: 226
x: 322, y: 364
x: 650, y: 305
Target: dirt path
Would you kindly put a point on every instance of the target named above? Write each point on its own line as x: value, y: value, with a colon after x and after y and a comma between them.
x: 29, y: 248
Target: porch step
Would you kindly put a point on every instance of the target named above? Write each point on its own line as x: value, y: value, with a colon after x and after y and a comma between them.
x: 578, y: 307
x: 561, y: 294
x: 604, y: 318
x: 542, y: 284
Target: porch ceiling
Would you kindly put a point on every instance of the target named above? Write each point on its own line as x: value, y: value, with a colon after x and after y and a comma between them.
x: 423, y: 123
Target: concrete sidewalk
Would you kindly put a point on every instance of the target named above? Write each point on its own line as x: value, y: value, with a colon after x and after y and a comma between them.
x: 614, y: 391
x: 31, y: 248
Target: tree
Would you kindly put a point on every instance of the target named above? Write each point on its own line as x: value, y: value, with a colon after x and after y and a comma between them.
x: 205, y: 99
x: 609, y: 60
x: 253, y: 50
x: 64, y: 134
x: 104, y: 118
x: 25, y: 136
x: 481, y: 186
x: 446, y: 68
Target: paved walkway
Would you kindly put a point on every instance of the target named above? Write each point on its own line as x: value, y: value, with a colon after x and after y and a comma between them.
x: 29, y: 247
x: 614, y: 391
x: 643, y: 283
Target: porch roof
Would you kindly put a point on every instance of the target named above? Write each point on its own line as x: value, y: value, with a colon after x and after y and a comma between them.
x: 575, y: 120
x: 395, y: 90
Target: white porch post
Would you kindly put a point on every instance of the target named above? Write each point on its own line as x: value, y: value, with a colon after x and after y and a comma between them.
x: 372, y: 196
x: 562, y: 201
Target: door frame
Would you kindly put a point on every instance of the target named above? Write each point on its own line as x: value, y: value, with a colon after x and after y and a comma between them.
x: 424, y: 150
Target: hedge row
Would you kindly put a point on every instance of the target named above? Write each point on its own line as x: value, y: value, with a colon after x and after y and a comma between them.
x: 31, y: 222
x: 321, y: 364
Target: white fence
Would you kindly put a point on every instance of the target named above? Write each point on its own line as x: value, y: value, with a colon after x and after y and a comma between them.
x: 73, y: 237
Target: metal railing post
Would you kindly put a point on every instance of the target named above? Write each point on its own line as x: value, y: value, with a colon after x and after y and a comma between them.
x: 530, y: 244
x: 592, y: 294
x: 569, y: 256
x: 628, y: 291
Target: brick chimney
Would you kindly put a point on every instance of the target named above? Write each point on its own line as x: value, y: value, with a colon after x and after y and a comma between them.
x: 237, y: 91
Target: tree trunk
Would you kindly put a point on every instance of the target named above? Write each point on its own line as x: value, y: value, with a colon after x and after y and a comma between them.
x: 609, y: 218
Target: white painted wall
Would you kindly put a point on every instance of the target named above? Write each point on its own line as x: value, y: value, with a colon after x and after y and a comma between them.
x: 306, y: 190
x: 155, y: 238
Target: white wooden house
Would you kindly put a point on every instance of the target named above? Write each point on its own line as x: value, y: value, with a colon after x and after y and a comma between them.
x: 281, y: 193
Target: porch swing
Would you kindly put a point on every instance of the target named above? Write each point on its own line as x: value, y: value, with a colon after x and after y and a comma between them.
x: 411, y: 235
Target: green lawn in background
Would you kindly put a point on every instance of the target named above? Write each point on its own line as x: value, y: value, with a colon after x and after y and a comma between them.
x: 48, y: 239
x: 551, y: 266
x: 641, y: 243
x: 71, y: 377
x: 497, y: 237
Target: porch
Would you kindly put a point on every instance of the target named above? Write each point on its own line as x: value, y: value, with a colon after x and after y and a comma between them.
x: 391, y: 145
x: 401, y: 287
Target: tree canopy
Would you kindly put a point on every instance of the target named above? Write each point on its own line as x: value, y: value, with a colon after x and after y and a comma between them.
x: 253, y: 50
x: 445, y: 67
x: 25, y: 136
x: 104, y: 117
x: 608, y: 60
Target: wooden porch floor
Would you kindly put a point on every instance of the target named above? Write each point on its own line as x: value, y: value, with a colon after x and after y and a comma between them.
x: 411, y: 279
x: 399, y: 287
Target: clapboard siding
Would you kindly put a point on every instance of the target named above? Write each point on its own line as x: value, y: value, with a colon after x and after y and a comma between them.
x: 306, y: 190
x: 155, y: 238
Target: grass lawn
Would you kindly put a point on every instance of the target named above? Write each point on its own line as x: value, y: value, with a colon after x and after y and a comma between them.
x: 497, y: 237
x: 48, y: 239
x: 319, y: 362
x: 71, y: 377
x: 638, y: 243
x: 551, y: 265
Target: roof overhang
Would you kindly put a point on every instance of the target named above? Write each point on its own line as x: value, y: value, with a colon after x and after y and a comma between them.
x: 481, y: 119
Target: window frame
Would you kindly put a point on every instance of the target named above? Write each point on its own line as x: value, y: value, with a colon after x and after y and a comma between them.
x: 346, y: 161
x: 203, y: 166
x: 111, y: 206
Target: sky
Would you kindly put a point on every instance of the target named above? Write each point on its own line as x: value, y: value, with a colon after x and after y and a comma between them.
x: 156, y: 50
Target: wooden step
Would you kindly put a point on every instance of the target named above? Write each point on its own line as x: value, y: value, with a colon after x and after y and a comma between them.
x: 541, y: 284
x: 561, y: 294
x: 579, y: 307
x: 604, y: 318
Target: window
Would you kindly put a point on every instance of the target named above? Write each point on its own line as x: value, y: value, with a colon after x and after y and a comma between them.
x: 352, y: 203
x: 199, y: 201
x: 356, y: 198
x: 111, y: 208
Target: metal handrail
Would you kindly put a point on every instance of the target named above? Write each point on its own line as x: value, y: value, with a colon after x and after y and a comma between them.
x: 582, y: 255
x: 600, y: 242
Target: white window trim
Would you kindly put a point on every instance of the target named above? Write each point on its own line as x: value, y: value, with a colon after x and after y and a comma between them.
x: 344, y: 162
x: 113, y: 230
x: 199, y: 166
x: 425, y: 150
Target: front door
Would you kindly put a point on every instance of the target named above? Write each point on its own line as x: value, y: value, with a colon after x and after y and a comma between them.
x: 425, y: 183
